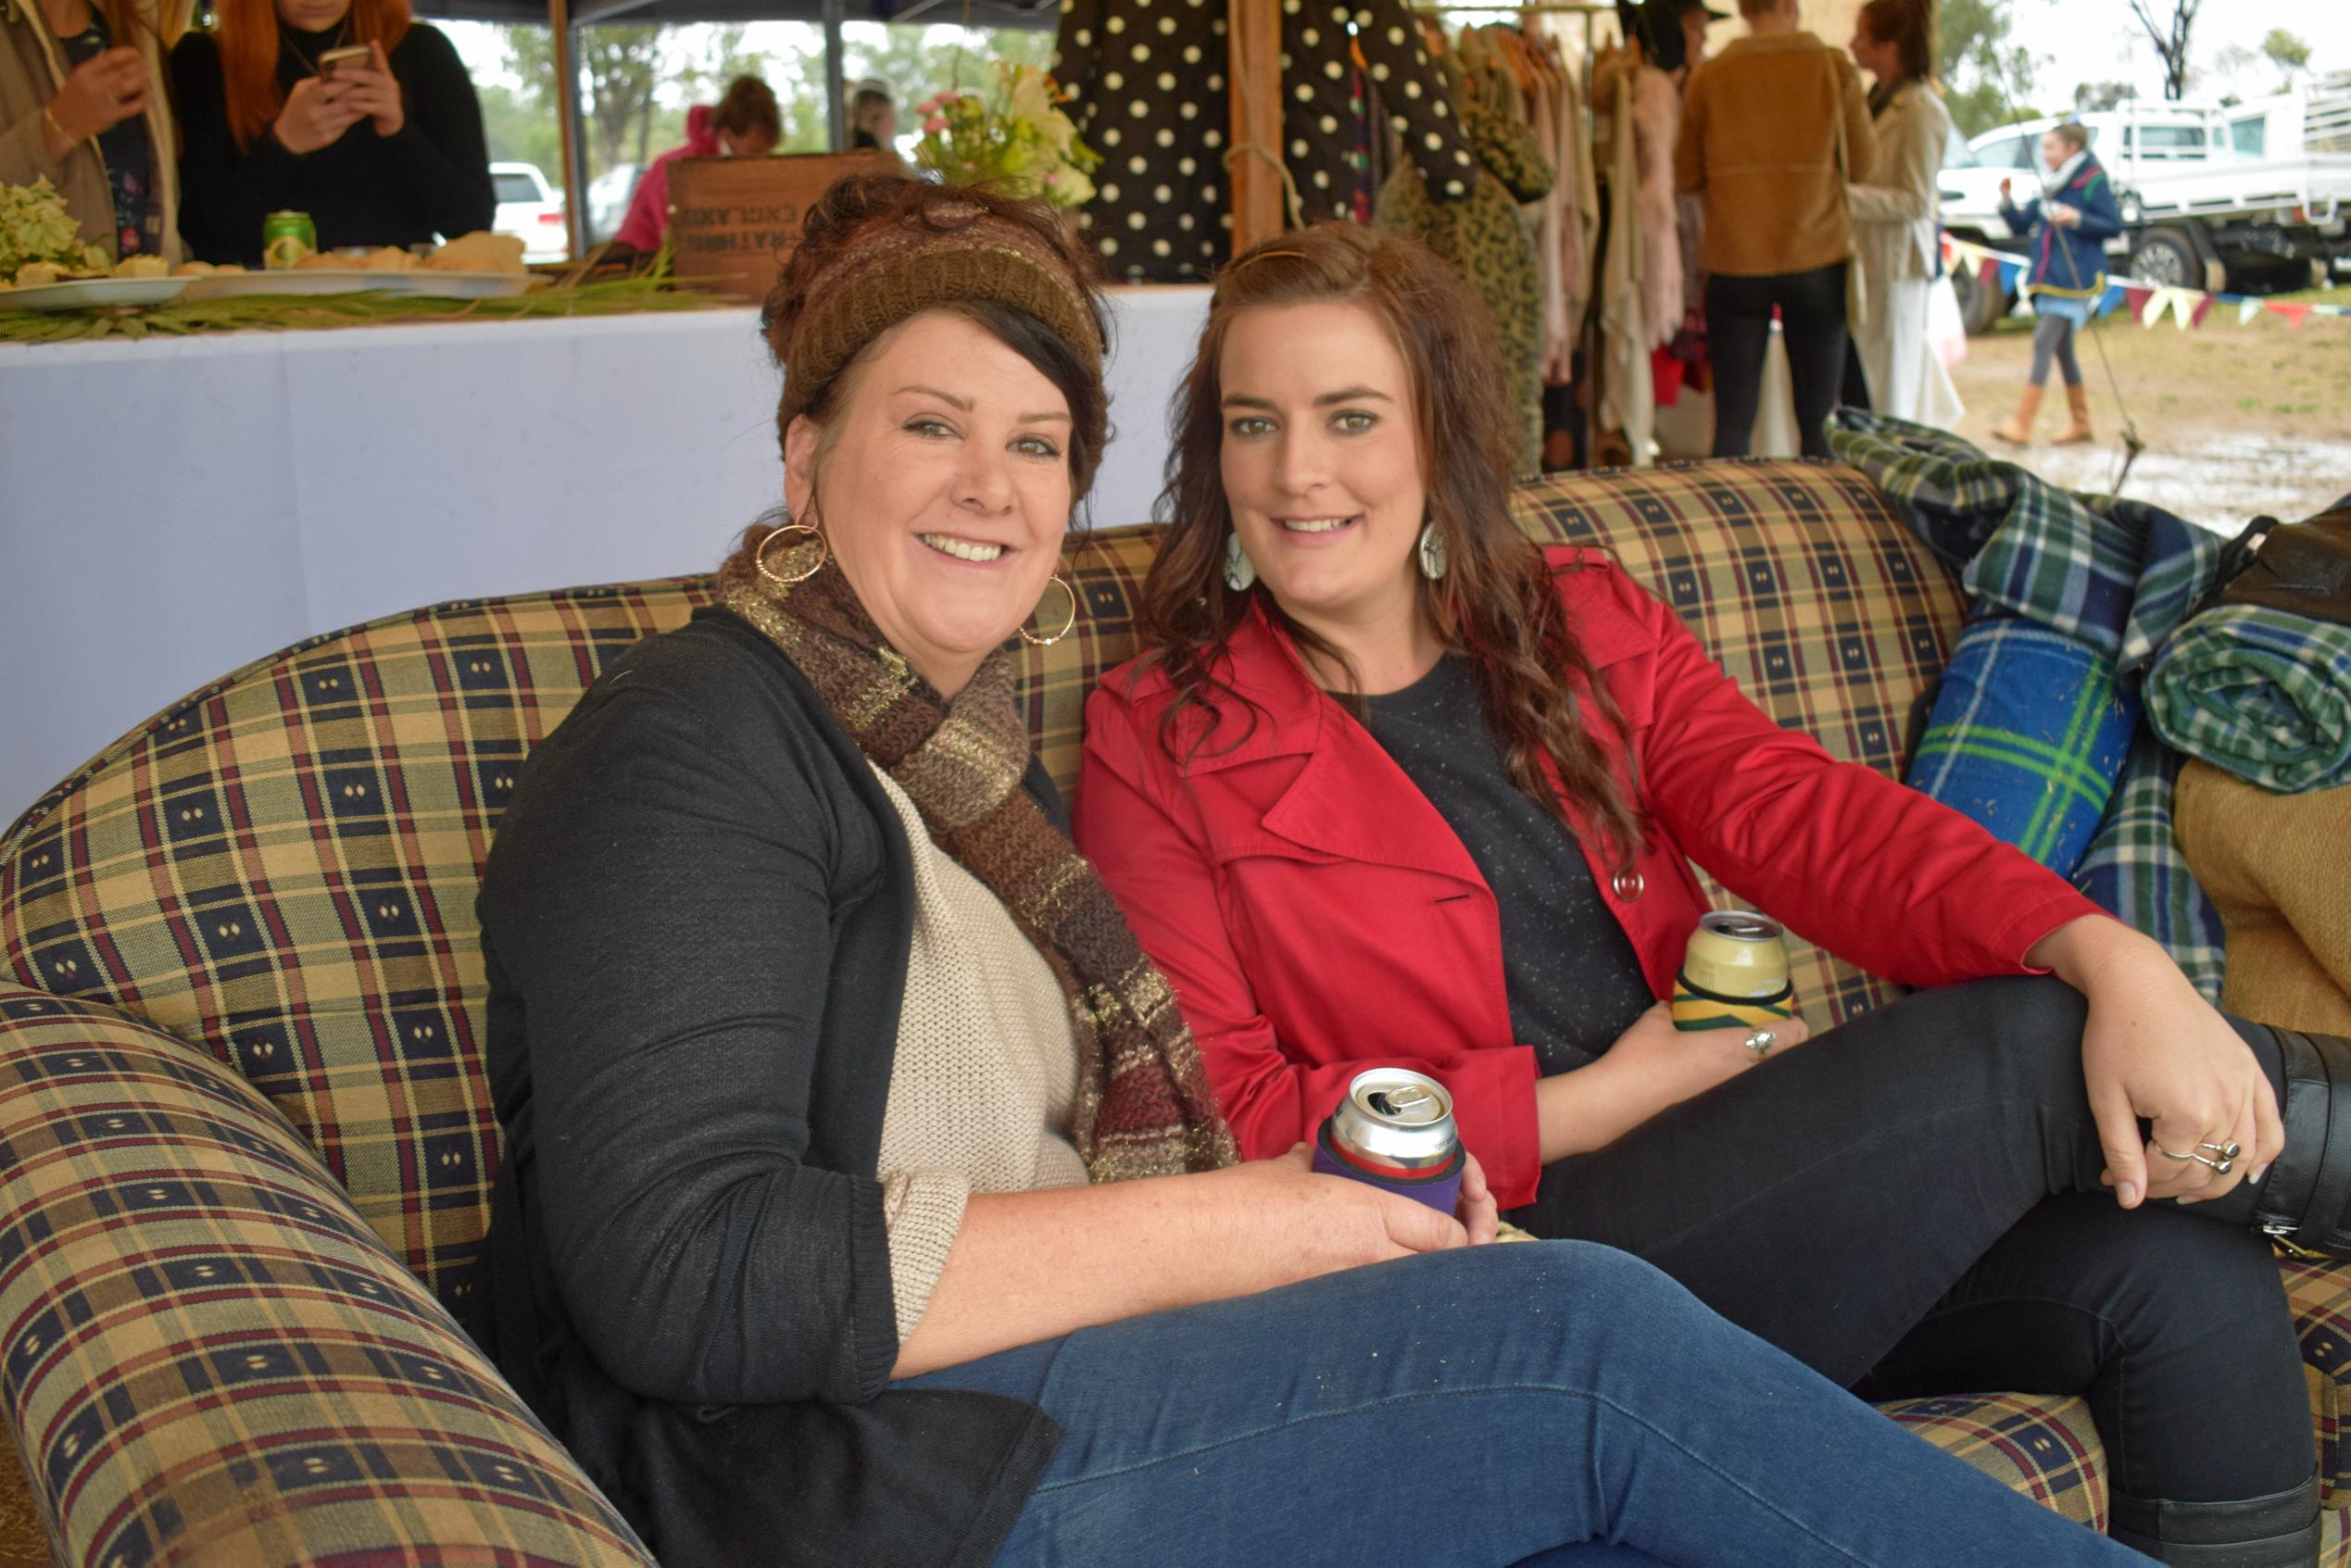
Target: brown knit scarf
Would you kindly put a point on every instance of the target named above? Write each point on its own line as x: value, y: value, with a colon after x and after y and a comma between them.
x: 1144, y: 1107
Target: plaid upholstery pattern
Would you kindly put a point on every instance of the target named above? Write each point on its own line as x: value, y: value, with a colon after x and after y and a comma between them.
x: 1803, y: 584
x: 2027, y: 735
x: 2135, y: 867
x: 2260, y: 693
x: 2045, y: 1447
x: 280, y: 871
x: 209, y: 1356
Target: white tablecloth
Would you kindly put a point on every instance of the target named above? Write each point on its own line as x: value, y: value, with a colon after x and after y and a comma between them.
x: 170, y: 510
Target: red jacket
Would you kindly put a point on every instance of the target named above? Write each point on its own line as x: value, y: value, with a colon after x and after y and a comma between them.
x: 1317, y: 916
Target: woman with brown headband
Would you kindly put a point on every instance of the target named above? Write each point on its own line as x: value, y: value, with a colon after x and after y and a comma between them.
x: 863, y: 1198
x: 1397, y: 788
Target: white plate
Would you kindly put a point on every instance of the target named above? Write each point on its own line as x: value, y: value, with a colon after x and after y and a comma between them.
x: 82, y: 294
x: 309, y: 281
x: 428, y: 283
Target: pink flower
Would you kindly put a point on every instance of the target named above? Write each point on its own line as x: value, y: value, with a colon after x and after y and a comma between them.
x: 935, y: 124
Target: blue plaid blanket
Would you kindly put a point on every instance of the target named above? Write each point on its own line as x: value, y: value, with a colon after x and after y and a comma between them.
x: 2260, y: 693
x: 2115, y: 577
x: 2028, y: 734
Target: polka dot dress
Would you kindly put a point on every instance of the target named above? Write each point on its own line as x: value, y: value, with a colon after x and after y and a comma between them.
x: 1153, y: 97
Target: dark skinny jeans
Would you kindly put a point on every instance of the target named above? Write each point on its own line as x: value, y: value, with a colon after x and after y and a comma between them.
x: 1812, y: 320
x: 1910, y: 1205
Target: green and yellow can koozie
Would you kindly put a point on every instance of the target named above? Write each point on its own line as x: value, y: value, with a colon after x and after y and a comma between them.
x: 1735, y: 974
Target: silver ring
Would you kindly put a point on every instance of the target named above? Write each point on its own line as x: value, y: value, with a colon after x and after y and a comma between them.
x: 2223, y: 1165
x: 2229, y: 1151
x: 1761, y: 1042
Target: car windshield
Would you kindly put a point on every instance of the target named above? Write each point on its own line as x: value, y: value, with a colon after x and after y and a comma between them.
x: 516, y: 187
x: 1956, y: 153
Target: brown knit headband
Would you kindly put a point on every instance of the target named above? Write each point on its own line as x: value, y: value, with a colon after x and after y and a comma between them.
x: 891, y: 270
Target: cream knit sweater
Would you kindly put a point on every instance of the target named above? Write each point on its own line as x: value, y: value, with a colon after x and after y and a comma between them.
x: 985, y: 1072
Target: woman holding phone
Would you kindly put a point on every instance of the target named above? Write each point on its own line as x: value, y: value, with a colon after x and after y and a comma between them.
x: 345, y: 109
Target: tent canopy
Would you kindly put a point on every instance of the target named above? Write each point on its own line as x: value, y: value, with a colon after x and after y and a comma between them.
x: 1036, y: 14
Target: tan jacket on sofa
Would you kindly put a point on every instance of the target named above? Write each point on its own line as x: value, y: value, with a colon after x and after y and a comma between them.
x: 1759, y: 143
x: 32, y: 67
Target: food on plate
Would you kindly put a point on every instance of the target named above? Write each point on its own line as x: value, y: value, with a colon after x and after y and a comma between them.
x: 205, y: 269
x: 330, y: 261
x: 40, y: 274
x: 35, y: 230
x: 142, y: 266
x: 479, y: 251
x: 389, y: 259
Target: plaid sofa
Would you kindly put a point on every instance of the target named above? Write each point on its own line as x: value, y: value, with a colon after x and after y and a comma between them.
x: 247, y: 1141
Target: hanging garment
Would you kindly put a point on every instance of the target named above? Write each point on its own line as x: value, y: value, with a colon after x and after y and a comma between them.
x: 1482, y: 236
x: 1576, y: 194
x: 1627, y: 400
x: 1151, y: 96
x: 1656, y: 117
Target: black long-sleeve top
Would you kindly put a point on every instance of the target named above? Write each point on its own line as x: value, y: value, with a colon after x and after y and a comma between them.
x: 695, y: 924
x: 432, y: 179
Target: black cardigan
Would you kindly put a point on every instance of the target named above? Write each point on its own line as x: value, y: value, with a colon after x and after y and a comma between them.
x: 433, y: 178
x: 696, y: 920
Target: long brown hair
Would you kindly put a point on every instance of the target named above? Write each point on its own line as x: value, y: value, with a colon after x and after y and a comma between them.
x: 1498, y: 602
x: 748, y: 106
x: 1909, y: 26
x: 246, y: 33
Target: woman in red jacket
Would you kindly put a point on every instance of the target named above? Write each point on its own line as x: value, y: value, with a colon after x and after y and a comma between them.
x: 1395, y: 787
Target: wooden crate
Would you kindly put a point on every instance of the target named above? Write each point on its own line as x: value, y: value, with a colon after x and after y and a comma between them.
x: 734, y: 221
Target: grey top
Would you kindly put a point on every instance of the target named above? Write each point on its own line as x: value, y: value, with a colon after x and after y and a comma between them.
x: 1574, y: 981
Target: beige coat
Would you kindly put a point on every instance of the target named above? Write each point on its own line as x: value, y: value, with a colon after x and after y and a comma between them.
x: 1896, y: 231
x: 1760, y: 124
x: 32, y: 67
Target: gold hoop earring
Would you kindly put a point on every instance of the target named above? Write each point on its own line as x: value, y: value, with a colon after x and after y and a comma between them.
x: 823, y: 553
x: 1048, y: 642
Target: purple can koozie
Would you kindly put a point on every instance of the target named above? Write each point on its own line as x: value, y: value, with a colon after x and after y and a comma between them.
x: 1394, y: 1129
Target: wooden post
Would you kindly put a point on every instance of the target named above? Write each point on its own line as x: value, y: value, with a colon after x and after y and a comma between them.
x: 1254, y: 83
x: 568, y: 128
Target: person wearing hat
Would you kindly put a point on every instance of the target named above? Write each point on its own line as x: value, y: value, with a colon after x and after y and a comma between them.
x: 1672, y: 32
x: 863, y: 1199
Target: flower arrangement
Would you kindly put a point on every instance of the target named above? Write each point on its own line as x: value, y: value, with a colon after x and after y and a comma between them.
x: 1016, y: 137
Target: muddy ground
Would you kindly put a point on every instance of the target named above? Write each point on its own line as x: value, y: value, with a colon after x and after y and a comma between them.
x: 2238, y: 419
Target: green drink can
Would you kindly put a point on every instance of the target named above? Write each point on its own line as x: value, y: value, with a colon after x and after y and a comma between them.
x: 286, y: 238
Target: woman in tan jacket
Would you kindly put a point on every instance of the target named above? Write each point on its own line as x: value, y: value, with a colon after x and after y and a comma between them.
x: 1768, y: 127
x: 83, y: 105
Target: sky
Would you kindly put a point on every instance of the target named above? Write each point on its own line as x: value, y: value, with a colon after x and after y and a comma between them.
x: 2100, y: 40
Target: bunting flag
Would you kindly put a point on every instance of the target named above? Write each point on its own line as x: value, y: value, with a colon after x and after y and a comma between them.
x: 2148, y: 303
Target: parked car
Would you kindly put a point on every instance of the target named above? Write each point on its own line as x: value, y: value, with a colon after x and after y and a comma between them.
x: 530, y: 209
x: 607, y: 200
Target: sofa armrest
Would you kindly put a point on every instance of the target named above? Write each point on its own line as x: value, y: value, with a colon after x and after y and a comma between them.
x: 209, y: 1357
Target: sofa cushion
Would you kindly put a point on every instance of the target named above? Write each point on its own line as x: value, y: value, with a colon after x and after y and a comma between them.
x: 211, y: 1359
x: 282, y: 871
x: 1828, y: 611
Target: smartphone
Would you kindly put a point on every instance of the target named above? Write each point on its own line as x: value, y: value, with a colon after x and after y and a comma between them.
x: 334, y: 60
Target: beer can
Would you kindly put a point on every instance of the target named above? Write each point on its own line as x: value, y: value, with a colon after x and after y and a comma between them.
x: 1394, y: 1129
x: 1735, y: 974
x: 286, y: 238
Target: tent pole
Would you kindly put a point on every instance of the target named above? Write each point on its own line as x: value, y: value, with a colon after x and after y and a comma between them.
x: 567, y: 125
x: 1253, y: 48
x: 835, y: 79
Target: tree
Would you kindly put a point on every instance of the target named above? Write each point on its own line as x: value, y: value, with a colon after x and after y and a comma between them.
x: 620, y: 69
x: 2289, y: 54
x: 2091, y: 97
x: 1988, y: 76
x: 2171, y: 37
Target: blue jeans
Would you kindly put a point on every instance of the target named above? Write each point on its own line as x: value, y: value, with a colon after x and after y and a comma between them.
x: 1554, y: 1403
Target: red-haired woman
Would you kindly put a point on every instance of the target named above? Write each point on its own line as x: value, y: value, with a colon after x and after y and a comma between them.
x: 387, y: 151
x: 82, y: 106
x: 1397, y: 787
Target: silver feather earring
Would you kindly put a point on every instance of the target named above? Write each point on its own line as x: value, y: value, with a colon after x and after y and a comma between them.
x: 1239, y: 570
x: 1432, y: 551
